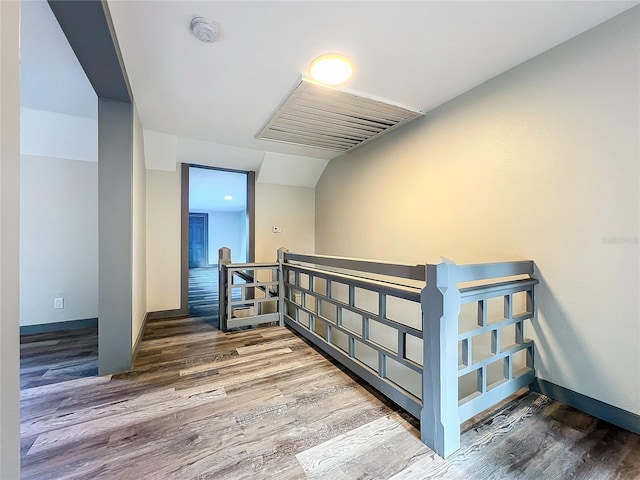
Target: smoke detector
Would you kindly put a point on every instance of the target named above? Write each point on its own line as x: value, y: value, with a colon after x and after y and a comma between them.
x: 204, y: 30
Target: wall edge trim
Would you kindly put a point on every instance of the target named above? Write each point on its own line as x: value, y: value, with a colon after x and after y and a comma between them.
x: 58, y: 326
x: 604, y: 411
x: 136, y: 347
x: 157, y: 315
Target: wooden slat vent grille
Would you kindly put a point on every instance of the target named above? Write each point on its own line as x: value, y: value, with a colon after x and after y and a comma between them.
x: 321, y: 117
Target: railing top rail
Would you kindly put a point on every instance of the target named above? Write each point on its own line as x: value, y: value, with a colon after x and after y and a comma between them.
x: 495, y: 288
x: 485, y: 271
x: 412, y: 272
x: 250, y: 266
x: 403, y: 291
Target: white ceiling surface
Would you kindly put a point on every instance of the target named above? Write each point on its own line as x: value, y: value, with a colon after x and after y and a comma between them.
x: 205, y: 103
x: 216, y: 97
x: 51, y: 77
x: 207, y: 189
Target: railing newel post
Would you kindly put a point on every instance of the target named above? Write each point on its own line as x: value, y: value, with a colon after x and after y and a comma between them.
x: 281, y: 290
x: 224, y: 259
x: 440, y: 301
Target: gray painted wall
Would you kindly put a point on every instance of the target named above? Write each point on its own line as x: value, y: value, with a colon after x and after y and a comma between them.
x: 115, y: 236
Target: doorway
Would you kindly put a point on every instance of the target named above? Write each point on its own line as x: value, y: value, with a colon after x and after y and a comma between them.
x: 219, y: 215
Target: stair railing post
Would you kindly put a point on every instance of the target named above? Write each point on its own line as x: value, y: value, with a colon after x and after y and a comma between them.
x: 281, y: 291
x: 224, y: 259
x: 440, y: 300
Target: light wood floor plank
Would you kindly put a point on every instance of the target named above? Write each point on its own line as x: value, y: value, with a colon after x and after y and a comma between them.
x: 263, y: 404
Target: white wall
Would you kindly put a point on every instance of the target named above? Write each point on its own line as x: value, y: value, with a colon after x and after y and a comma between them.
x: 539, y: 163
x: 139, y: 255
x: 293, y: 209
x: 58, y: 221
x: 163, y: 240
x: 53, y: 134
x: 9, y: 239
x: 58, y: 239
x: 59, y: 184
x: 226, y: 229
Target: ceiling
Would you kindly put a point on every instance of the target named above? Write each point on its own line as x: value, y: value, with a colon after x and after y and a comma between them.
x: 51, y: 77
x: 205, y: 103
x: 207, y: 189
x: 419, y: 54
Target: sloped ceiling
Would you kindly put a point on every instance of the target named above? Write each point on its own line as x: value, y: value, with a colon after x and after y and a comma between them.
x: 51, y: 77
x: 210, y: 100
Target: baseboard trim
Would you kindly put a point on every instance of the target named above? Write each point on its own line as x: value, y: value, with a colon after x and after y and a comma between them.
x: 59, y: 326
x: 136, y: 347
x: 617, y: 416
x: 167, y: 314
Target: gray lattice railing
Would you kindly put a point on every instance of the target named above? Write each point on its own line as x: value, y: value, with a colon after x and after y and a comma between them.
x: 244, y: 298
x: 351, y: 319
x: 442, y: 341
x: 450, y: 396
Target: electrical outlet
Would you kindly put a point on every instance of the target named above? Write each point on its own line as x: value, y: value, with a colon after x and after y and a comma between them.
x: 58, y: 302
x: 276, y: 229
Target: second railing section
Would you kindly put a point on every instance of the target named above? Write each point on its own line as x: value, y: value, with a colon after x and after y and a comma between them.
x: 443, y: 341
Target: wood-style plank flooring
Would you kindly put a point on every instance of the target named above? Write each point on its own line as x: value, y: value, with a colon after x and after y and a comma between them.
x: 58, y: 356
x: 263, y: 404
x: 203, y: 292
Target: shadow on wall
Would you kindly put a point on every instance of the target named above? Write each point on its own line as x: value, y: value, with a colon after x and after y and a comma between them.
x: 552, y: 332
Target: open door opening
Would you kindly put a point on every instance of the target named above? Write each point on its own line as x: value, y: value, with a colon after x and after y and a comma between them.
x: 218, y: 216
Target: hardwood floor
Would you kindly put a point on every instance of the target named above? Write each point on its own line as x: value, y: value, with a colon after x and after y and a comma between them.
x: 263, y: 404
x: 58, y: 356
x: 203, y: 292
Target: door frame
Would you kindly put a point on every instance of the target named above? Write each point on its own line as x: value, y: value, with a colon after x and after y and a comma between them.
x: 184, y: 216
x: 205, y: 216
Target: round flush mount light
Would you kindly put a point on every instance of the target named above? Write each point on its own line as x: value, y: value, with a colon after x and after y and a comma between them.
x: 204, y: 30
x: 331, y: 69
x: 228, y: 197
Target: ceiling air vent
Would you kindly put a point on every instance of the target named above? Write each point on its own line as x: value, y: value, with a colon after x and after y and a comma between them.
x: 321, y: 117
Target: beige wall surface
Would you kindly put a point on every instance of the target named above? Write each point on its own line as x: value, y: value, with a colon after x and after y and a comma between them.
x: 539, y: 163
x: 139, y: 256
x: 163, y: 240
x: 292, y: 208
x: 9, y: 240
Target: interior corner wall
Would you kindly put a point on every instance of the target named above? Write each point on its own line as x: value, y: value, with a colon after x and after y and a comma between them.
x: 292, y: 209
x: 225, y: 229
x: 9, y: 239
x: 58, y: 239
x: 139, y: 255
x: 54, y: 134
x: 542, y: 163
x: 163, y: 194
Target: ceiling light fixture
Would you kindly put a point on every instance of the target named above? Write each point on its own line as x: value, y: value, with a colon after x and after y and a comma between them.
x: 331, y: 69
x: 204, y: 29
x: 228, y: 197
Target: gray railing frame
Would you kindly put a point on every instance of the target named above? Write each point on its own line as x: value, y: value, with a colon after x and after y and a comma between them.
x: 227, y: 271
x: 440, y: 410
